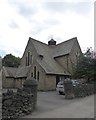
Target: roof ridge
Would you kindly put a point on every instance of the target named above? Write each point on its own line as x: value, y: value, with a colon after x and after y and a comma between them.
x: 74, y: 38
x: 9, y: 71
x: 39, y: 45
x: 66, y: 45
x: 10, y: 67
x: 37, y: 40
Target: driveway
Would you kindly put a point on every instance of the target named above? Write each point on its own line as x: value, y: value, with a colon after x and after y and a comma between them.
x: 52, y: 105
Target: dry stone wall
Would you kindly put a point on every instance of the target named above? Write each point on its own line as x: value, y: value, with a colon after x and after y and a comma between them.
x: 16, y: 104
x: 80, y: 90
x: 83, y: 90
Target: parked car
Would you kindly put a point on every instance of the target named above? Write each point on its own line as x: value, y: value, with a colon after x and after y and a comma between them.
x: 60, y: 86
x: 75, y: 82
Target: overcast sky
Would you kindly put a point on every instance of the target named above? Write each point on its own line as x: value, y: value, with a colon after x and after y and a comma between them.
x: 43, y: 20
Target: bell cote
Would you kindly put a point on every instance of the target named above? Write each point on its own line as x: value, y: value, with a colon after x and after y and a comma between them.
x: 52, y: 42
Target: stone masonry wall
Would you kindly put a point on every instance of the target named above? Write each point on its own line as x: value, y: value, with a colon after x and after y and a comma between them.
x: 16, y: 104
x: 81, y: 90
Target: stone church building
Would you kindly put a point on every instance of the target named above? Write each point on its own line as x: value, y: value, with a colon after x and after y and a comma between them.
x: 47, y: 63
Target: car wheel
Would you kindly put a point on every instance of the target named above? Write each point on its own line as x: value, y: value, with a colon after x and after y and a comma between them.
x: 61, y: 93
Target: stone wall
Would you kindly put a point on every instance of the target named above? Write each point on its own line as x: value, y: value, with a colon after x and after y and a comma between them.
x: 16, y: 104
x: 80, y: 90
x: 50, y: 82
x: 83, y: 90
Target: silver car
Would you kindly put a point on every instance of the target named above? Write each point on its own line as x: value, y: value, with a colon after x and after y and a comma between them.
x: 60, y: 86
x: 75, y: 82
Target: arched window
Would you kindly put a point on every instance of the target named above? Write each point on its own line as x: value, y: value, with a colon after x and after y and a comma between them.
x: 29, y: 58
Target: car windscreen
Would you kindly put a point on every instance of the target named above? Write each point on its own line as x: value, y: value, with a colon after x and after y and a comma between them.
x: 60, y: 83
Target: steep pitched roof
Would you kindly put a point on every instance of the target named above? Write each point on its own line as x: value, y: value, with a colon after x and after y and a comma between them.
x: 40, y: 47
x: 52, y: 68
x: 47, y: 63
x: 56, y: 51
x: 16, y: 72
x: 48, y: 52
x: 22, y: 71
x: 9, y: 71
x: 64, y: 47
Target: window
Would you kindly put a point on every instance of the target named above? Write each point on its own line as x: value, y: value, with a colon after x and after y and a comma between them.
x: 26, y: 61
x: 29, y: 58
x: 38, y: 75
x: 41, y: 57
x: 32, y: 74
x: 35, y: 72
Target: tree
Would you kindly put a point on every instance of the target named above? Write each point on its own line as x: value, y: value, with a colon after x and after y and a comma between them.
x: 0, y: 62
x: 11, y: 61
x: 86, y: 66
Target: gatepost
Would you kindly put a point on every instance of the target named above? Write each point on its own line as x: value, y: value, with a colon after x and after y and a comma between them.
x: 31, y: 84
x: 69, y: 94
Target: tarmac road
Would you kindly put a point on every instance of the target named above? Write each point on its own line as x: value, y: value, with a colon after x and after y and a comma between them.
x: 52, y: 105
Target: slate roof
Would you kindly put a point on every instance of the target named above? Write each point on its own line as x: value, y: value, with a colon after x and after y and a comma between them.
x: 64, y: 47
x: 48, y: 63
x: 22, y: 71
x: 9, y: 71
x: 16, y: 72
x: 52, y: 69
x: 56, y: 50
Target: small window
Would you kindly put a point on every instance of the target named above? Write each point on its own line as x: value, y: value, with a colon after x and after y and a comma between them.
x: 26, y: 61
x: 38, y: 75
x: 35, y: 72
x: 28, y: 58
x: 77, y: 54
x: 41, y: 57
x: 31, y: 59
x: 32, y: 74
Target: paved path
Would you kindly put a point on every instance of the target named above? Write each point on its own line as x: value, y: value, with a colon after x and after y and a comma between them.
x: 51, y: 105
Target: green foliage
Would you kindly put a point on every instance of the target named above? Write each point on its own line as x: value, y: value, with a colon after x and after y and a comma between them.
x: 11, y: 61
x: 86, y: 67
x: 94, y: 69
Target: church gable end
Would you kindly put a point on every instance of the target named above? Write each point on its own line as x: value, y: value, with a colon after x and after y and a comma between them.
x: 29, y: 55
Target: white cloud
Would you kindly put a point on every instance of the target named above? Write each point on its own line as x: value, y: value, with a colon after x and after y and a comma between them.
x: 16, y: 26
x: 71, y: 25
